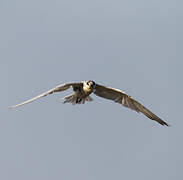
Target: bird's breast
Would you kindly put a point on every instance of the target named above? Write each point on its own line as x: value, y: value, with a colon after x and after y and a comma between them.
x: 87, y: 90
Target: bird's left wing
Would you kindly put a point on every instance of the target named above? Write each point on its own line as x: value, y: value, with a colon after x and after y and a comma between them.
x: 126, y: 100
x: 59, y: 88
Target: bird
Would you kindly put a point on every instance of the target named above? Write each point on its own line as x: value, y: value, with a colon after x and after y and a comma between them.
x: 83, y: 90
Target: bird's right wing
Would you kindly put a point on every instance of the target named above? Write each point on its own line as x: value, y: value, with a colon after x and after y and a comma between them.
x: 59, y: 88
x: 126, y: 100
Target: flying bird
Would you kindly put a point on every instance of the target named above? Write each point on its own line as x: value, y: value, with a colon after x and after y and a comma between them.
x: 82, y: 91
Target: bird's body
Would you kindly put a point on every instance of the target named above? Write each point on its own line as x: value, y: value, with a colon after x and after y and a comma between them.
x: 82, y: 91
x: 81, y: 94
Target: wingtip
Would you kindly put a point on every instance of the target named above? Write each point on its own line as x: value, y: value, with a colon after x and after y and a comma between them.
x: 166, y: 124
x: 14, y: 106
x: 163, y: 123
x: 11, y: 107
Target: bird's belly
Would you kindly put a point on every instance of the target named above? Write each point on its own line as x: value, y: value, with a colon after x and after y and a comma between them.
x: 83, y: 94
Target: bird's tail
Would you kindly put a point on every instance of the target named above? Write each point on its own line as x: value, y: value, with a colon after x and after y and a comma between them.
x: 76, y: 100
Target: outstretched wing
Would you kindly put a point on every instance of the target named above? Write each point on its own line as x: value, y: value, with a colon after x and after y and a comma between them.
x: 59, y: 88
x: 126, y: 100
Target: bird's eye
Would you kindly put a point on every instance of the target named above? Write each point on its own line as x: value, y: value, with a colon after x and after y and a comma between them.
x: 88, y: 83
x: 93, y: 82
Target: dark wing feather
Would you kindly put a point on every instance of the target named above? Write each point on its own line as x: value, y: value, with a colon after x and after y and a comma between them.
x: 126, y: 100
x: 59, y: 88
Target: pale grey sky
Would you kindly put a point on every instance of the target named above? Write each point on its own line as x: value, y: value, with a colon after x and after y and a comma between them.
x: 135, y: 46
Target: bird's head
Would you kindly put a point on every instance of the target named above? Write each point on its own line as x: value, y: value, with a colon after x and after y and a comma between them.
x: 90, y: 84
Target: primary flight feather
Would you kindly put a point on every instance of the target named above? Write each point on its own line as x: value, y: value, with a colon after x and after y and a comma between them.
x: 82, y: 91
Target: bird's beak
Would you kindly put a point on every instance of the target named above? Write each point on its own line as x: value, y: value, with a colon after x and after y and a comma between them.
x: 92, y: 86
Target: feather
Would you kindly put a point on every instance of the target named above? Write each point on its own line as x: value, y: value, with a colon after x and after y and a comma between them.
x: 119, y: 96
